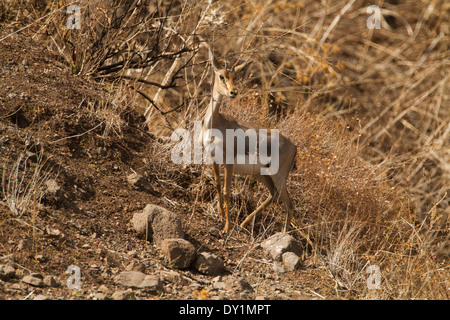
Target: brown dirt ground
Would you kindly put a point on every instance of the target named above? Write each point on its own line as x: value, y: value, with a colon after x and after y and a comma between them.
x: 42, y: 102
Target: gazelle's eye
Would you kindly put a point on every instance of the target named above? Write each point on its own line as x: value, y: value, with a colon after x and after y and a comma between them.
x: 221, y: 78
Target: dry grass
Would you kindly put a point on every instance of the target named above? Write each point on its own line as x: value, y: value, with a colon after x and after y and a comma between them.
x: 22, y: 183
x: 367, y: 108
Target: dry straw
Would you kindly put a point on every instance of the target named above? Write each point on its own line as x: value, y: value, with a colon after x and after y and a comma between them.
x: 367, y: 108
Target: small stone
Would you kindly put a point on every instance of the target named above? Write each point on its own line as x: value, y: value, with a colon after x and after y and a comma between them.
x: 136, y: 279
x: 278, y: 268
x: 34, y: 279
x: 291, y: 261
x: 218, y: 283
x: 40, y: 257
x: 174, y: 277
x: 7, y: 272
x: 52, y: 231
x: 51, y: 281
x: 179, y: 253
x: 103, y: 289
x: 209, y: 264
x: 238, y: 284
x: 123, y: 295
x: 138, y: 182
x: 53, y: 193
x: 99, y: 296
x: 156, y: 223
x: 41, y: 297
x: 152, y: 284
x: 280, y: 243
x: 132, y: 254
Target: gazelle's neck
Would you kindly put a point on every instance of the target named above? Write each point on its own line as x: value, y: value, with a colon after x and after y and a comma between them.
x: 212, y: 112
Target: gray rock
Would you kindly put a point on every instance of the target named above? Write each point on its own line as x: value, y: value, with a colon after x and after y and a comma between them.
x: 138, y: 182
x: 238, y: 284
x: 53, y: 232
x: 34, y: 279
x: 99, y: 296
x: 123, y: 295
x: 157, y: 223
x: 209, y: 264
x: 136, y: 279
x: 280, y: 243
x: 179, y: 253
x: 7, y: 272
x: 53, y: 193
x: 218, y: 283
x: 175, y: 278
x: 40, y: 258
x: 152, y: 284
x: 291, y: 261
x: 278, y: 268
x: 51, y: 281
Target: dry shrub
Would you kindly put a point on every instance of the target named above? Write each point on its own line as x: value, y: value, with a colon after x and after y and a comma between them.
x: 387, y: 87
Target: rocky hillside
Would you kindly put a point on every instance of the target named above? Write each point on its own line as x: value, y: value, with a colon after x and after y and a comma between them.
x: 89, y: 187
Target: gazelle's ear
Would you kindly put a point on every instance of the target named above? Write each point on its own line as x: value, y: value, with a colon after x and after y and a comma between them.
x: 212, y: 60
x: 241, y: 67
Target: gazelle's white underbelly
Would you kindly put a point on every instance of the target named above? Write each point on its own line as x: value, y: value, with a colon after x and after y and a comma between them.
x: 248, y: 169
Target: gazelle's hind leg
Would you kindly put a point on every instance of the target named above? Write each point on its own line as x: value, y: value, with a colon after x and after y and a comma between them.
x: 280, y: 182
x: 286, y: 199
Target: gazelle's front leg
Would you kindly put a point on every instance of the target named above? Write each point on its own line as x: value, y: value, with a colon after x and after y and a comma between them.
x: 227, y: 190
x: 219, y: 189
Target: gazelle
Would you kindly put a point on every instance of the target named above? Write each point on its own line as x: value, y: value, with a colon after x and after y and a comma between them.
x: 223, y: 85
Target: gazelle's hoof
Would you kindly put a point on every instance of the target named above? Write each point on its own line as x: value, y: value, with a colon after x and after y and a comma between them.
x: 226, y: 230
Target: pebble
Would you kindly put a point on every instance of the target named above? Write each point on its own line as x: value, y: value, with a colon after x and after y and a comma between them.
x: 179, y: 253
x: 136, y: 279
x: 35, y: 279
x: 291, y: 261
x: 209, y: 264
x: 7, y: 272
x: 123, y: 295
x: 51, y: 281
x: 280, y: 243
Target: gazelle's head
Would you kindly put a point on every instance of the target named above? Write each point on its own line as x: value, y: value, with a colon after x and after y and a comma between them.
x: 224, y: 78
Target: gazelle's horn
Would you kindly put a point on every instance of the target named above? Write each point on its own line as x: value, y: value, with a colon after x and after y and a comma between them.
x: 226, y: 65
